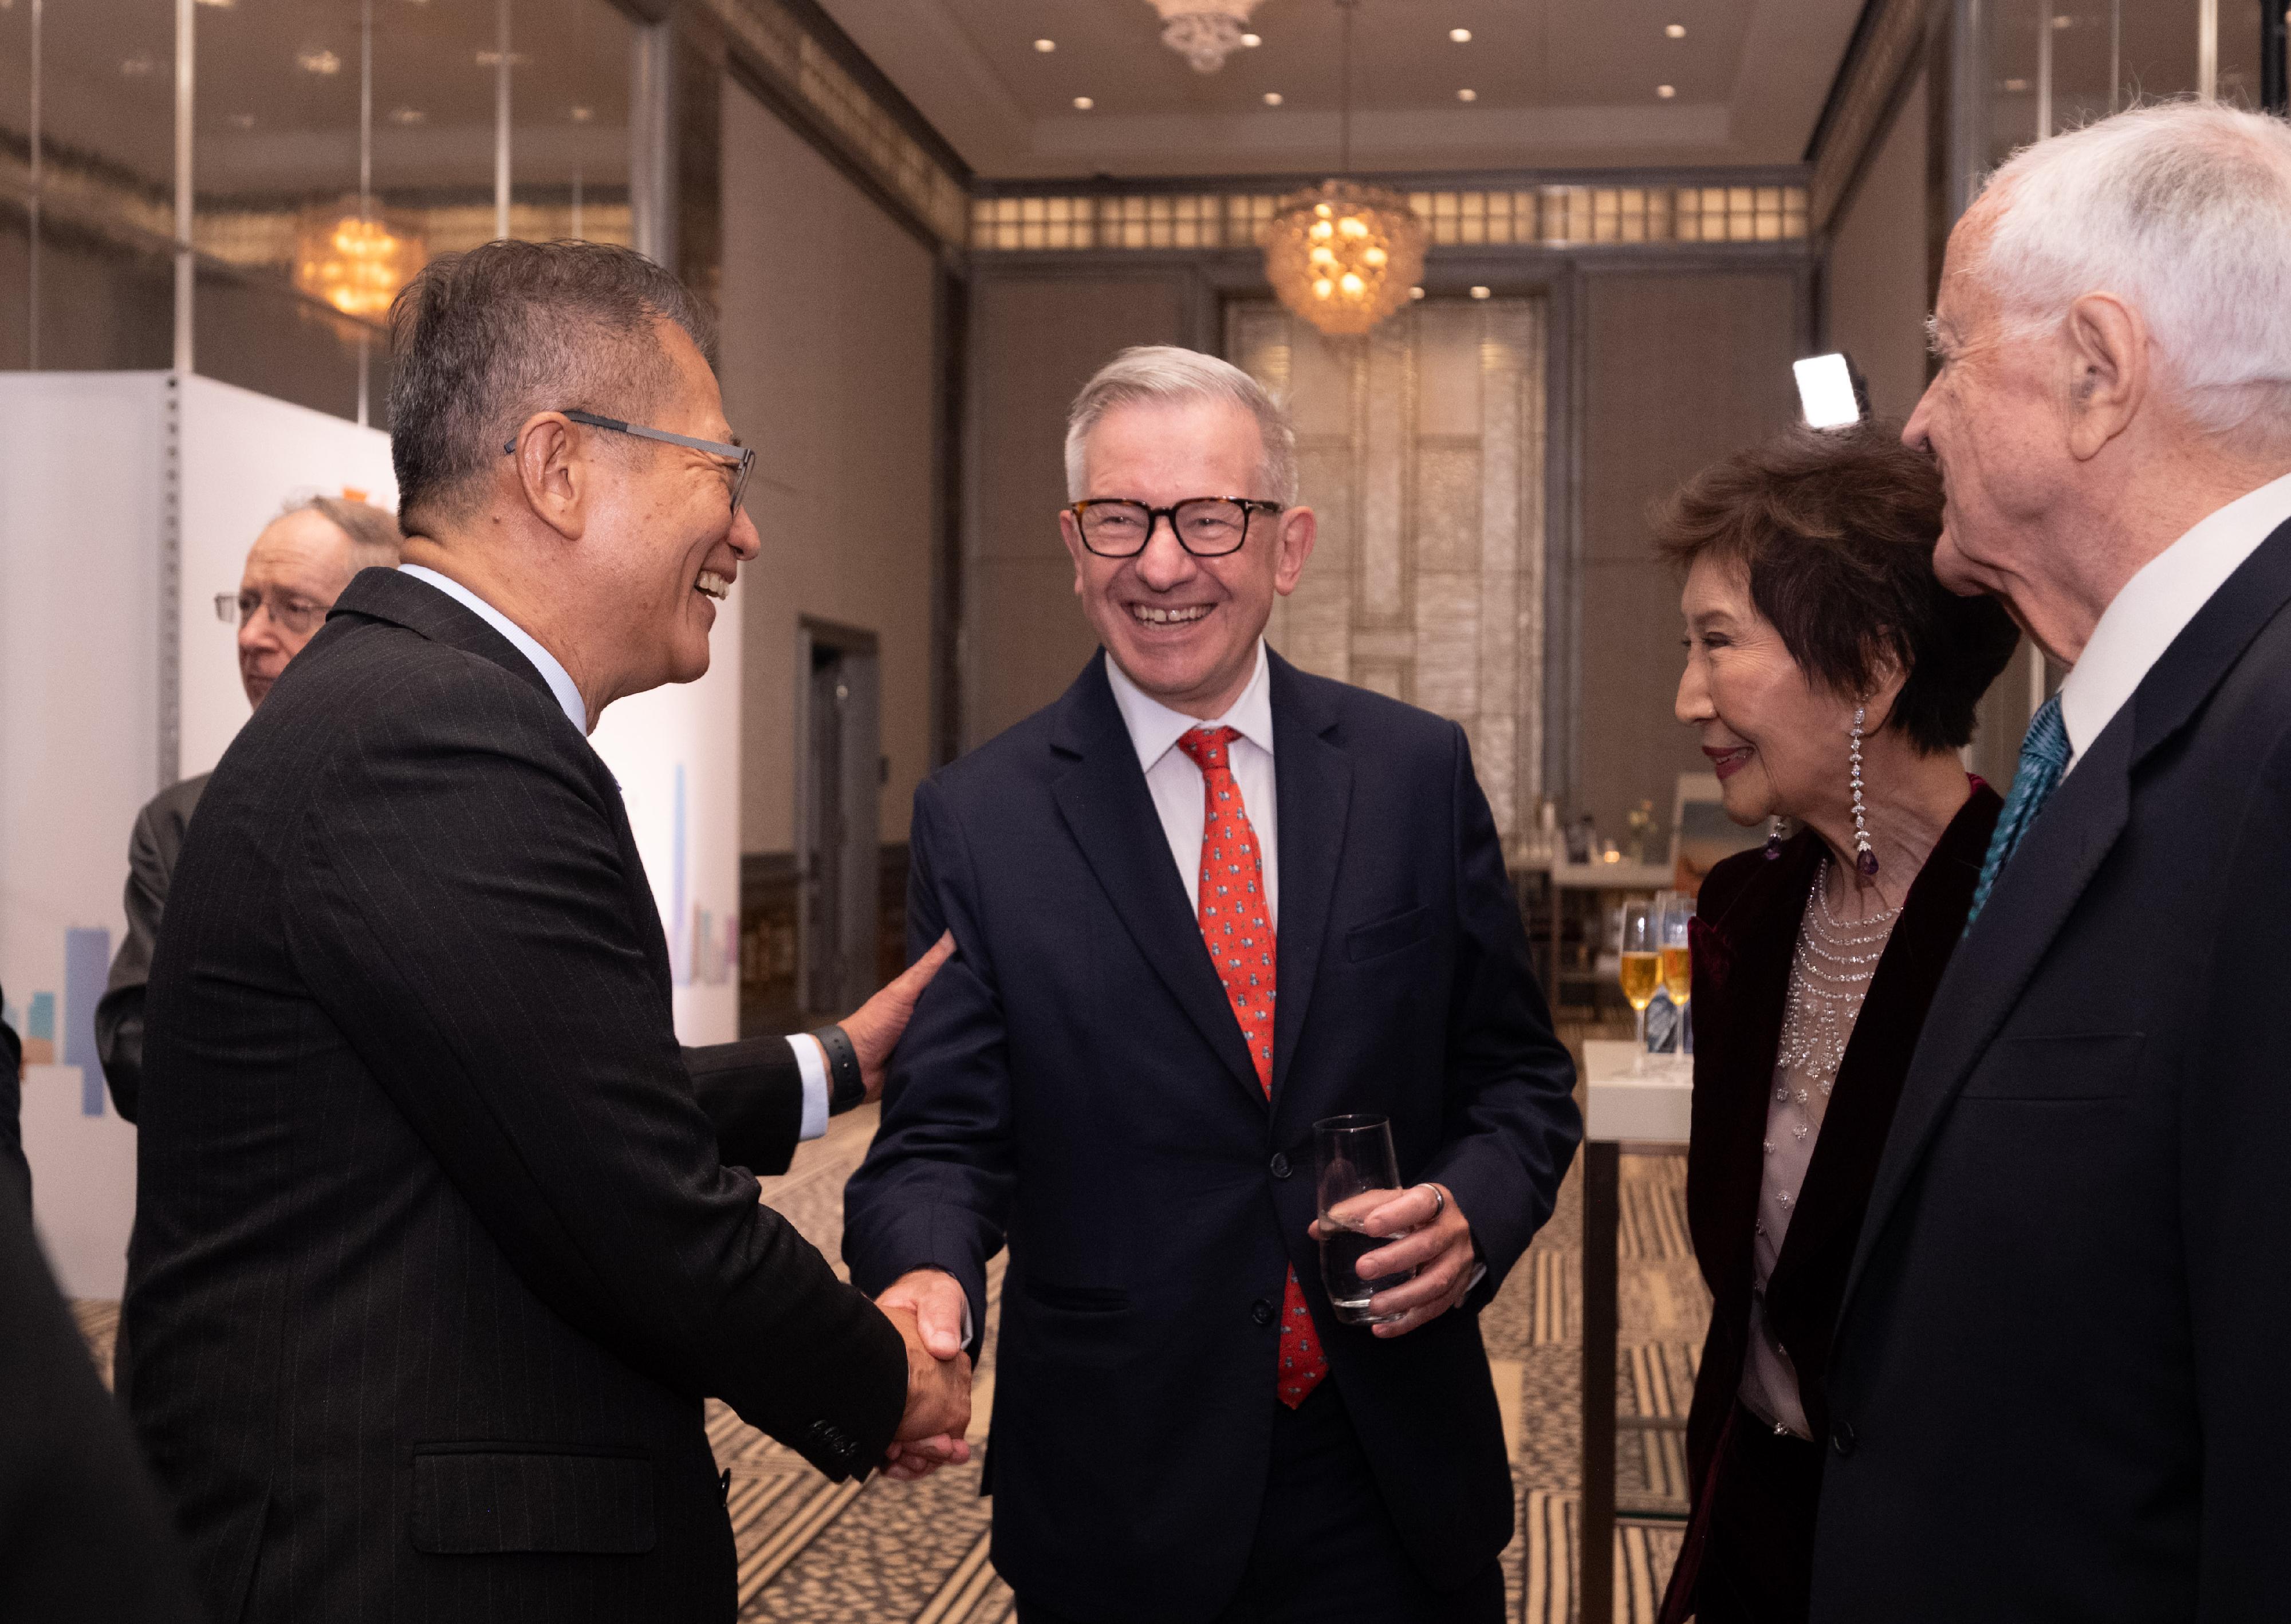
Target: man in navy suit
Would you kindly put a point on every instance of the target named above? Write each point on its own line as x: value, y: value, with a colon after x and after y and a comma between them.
x: 2054, y: 1387
x: 1200, y: 903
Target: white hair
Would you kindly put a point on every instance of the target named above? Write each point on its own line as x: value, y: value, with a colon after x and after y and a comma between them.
x: 2182, y: 209
x: 1165, y: 372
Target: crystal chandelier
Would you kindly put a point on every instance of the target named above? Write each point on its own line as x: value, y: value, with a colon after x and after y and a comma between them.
x: 1342, y: 254
x: 349, y: 256
x: 1204, y: 32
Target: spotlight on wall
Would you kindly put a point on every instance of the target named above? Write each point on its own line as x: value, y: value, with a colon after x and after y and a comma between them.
x: 1832, y: 393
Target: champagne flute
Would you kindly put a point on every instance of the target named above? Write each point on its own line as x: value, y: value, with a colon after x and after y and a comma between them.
x: 1357, y: 1173
x: 1642, y: 968
x: 1676, y: 959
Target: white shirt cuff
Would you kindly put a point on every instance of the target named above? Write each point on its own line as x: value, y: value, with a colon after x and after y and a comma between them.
x: 811, y: 1062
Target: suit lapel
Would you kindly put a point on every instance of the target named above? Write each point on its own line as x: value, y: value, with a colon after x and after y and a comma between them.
x: 1110, y: 813
x: 2058, y: 857
x: 1314, y: 779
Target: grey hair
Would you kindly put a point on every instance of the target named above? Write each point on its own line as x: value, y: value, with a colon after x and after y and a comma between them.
x: 482, y: 339
x: 1165, y: 372
x: 2183, y: 210
x: 374, y: 541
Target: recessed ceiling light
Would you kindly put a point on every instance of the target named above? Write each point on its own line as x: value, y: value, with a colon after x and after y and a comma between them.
x: 2016, y: 85
x: 1480, y: 292
x: 1082, y: 104
x: 322, y: 63
x: 143, y: 65
x: 581, y: 115
x: 1416, y: 292
x: 408, y: 114
x: 242, y: 121
x: 2064, y: 22
x: 1252, y: 40
x: 1273, y: 97
x: 1674, y: 30
x: 1462, y: 37
x: 1468, y: 95
x: 1666, y: 91
x: 220, y: 5
x: 1046, y: 46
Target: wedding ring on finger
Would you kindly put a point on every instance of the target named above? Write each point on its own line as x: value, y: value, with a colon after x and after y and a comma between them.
x: 1439, y: 1200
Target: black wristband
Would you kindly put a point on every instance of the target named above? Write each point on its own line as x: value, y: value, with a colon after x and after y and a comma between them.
x: 845, y: 1086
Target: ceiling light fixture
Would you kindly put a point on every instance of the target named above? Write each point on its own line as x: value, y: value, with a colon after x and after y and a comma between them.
x: 242, y: 121
x: 1674, y: 30
x: 1341, y: 255
x: 408, y: 115
x: 1250, y: 42
x: 1416, y: 292
x: 1482, y: 292
x: 143, y: 65
x: 1468, y: 95
x: 354, y: 258
x: 1666, y: 91
x: 322, y: 62
x: 581, y: 115
x: 1046, y: 46
x: 1462, y: 37
x: 1204, y: 32
x: 1082, y: 104
x: 1273, y: 97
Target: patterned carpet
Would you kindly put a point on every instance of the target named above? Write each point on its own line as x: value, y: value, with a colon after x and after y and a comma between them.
x: 813, y: 1552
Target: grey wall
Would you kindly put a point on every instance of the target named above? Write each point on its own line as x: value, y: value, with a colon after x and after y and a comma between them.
x: 827, y: 360
x: 1876, y: 283
x: 1680, y: 369
x: 1034, y: 342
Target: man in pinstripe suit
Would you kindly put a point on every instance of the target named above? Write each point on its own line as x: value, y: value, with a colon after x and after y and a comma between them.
x: 435, y: 1256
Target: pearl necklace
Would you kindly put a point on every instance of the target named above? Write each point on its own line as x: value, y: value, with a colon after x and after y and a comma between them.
x: 1830, y: 973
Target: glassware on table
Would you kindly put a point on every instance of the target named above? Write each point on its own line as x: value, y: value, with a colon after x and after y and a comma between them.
x: 1674, y: 930
x: 1642, y: 968
x: 1357, y: 1173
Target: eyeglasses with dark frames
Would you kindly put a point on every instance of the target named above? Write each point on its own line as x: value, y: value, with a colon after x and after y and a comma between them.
x: 1206, y: 526
x: 742, y: 457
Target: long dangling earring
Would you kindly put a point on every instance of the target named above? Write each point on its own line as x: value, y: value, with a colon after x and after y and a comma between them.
x: 1773, y: 837
x: 1865, y: 861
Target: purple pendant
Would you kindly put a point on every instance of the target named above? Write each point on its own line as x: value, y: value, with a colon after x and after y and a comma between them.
x: 1866, y: 864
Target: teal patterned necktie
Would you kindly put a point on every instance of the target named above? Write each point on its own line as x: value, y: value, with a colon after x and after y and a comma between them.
x: 2043, y: 758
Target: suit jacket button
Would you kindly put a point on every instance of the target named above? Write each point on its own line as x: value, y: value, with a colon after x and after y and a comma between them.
x: 1261, y: 1312
x: 1841, y: 1438
x: 1280, y: 1164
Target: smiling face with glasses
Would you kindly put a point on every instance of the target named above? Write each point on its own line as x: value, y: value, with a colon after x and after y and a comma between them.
x: 1179, y: 584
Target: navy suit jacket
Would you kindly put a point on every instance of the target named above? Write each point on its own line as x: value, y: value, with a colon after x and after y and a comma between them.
x: 2055, y: 1388
x: 1074, y: 1085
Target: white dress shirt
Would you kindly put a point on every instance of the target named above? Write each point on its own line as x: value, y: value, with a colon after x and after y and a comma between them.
x: 2155, y: 606
x: 1175, y: 783
x: 810, y: 1059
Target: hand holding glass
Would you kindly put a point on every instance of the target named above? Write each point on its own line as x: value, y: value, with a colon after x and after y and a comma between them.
x: 1357, y: 1173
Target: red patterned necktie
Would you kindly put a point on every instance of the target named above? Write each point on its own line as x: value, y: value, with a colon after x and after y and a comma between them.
x: 1238, y: 931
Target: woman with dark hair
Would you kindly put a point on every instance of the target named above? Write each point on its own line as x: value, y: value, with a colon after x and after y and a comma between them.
x: 1833, y: 681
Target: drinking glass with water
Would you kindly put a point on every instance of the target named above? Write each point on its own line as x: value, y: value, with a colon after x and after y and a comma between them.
x: 1358, y: 1173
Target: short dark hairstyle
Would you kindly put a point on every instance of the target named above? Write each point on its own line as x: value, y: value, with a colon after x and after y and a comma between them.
x: 1835, y: 529
x: 483, y: 339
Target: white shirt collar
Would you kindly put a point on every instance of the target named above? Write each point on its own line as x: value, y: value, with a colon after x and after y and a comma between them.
x: 559, y: 681
x: 1154, y: 728
x: 2155, y: 606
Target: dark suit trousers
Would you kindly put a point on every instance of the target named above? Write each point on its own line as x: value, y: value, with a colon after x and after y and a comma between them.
x: 1326, y: 1550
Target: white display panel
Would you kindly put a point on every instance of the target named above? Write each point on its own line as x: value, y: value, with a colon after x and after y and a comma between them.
x: 83, y: 462
x: 676, y: 752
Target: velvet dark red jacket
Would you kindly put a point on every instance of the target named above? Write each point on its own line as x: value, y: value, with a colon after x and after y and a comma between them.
x: 1746, y: 926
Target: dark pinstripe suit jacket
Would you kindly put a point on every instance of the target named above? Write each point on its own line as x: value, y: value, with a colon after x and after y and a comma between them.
x: 435, y: 1258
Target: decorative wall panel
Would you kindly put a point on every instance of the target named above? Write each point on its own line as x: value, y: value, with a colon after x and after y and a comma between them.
x: 1421, y: 450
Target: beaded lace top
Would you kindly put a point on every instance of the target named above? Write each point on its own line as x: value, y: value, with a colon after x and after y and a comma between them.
x: 1830, y: 973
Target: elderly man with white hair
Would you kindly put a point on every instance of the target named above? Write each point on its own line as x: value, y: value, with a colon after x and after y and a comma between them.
x: 2055, y: 1381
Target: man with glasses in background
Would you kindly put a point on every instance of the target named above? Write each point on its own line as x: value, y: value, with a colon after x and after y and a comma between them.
x: 437, y: 1251
x: 295, y: 570
x: 1102, y: 1079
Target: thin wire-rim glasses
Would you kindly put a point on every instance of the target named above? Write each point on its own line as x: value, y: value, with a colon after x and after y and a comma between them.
x: 1202, y: 517
x: 742, y: 456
